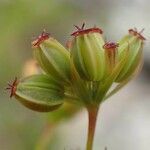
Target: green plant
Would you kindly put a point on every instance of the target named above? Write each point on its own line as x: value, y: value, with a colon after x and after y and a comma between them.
x: 82, y: 73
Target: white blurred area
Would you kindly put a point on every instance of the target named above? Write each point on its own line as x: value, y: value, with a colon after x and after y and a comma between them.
x: 124, y: 119
x: 123, y: 122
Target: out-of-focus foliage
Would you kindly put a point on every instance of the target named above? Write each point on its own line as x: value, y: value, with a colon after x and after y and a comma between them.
x: 21, y: 20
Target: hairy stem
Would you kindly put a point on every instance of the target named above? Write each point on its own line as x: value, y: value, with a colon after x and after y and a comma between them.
x: 92, y: 118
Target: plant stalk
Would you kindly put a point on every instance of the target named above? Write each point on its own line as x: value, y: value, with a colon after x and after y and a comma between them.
x: 92, y: 118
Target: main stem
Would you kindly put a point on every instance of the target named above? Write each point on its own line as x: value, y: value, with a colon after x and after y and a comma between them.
x: 92, y: 118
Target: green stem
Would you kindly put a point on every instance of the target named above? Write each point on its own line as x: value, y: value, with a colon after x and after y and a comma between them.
x: 92, y: 118
x: 45, y: 137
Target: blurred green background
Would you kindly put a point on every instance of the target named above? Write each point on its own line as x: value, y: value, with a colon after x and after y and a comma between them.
x: 124, y: 120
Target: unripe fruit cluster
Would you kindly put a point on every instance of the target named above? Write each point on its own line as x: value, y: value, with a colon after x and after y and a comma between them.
x: 86, y: 70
